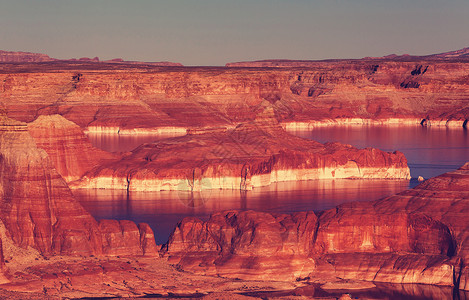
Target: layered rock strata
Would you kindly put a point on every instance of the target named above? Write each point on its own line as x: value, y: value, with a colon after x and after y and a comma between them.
x: 251, y: 155
x: 126, y: 97
x: 417, y: 236
x: 39, y: 210
x: 67, y: 147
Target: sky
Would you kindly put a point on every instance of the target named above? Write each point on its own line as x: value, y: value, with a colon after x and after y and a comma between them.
x: 211, y: 32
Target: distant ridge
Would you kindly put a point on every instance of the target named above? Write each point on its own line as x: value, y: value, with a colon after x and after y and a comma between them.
x: 462, y: 54
x: 457, y: 54
x: 29, y: 57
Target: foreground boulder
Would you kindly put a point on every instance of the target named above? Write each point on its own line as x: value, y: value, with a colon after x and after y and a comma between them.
x: 39, y: 210
x: 417, y: 236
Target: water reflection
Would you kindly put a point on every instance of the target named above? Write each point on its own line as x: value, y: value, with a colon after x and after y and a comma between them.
x: 123, y: 143
x: 430, y: 151
x: 162, y: 210
x: 381, y: 291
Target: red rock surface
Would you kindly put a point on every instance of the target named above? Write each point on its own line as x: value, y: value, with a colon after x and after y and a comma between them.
x: 251, y: 155
x: 245, y: 245
x: 126, y: 97
x: 417, y: 236
x: 39, y: 210
x: 125, y: 238
x: 66, y: 145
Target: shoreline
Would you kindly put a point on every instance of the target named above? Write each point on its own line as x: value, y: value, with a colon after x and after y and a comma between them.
x: 394, y: 122
x: 287, y: 125
x: 237, y: 183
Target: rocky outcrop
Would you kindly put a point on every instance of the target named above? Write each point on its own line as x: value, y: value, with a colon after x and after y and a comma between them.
x: 125, y: 238
x: 66, y: 145
x: 245, y: 244
x: 123, y: 97
x: 251, y: 155
x: 39, y: 210
x: 417, y: 236
x: 23, y: 57
x: 256, y: 245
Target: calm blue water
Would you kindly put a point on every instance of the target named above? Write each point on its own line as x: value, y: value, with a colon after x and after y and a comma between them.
x: 430, y: 151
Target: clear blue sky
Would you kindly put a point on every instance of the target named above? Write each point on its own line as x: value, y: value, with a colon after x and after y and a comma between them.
x: 211, y: 32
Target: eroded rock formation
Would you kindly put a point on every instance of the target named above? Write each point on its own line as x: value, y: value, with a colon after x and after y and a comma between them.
x: 417, y: 236
x: 68, y: 148
x: 251, y: 155
x: 129, y: 98
x: 39, y: 210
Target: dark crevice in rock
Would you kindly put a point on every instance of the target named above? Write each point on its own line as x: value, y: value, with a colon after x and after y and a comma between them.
x: 410, y: 85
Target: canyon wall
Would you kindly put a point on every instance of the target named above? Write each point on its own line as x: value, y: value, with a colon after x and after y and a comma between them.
x: 39, y: 210
x: 417, y: 236
x: 131, y: 98
x: 66, y: 145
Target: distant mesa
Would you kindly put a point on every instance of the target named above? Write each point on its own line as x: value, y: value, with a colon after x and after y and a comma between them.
x: 21, y: 57
x: 29, y: 57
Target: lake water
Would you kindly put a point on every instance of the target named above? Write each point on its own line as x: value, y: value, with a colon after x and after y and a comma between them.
x: 430, y: 152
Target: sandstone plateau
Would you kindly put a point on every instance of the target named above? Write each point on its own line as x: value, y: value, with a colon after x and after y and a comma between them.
x: 23, y: 57
x: 28, y: 57
x: 251, y: 155
x: 417, y: 236
x: 129, y: 98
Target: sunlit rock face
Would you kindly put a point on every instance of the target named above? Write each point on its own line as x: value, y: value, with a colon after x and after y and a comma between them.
x: 68, y: 148
x: 245, y: 244
x: 444, y: 198
x: 251, y: 155
x: 128, y: 97
x: 125, y: 238
x: 417, y: 236
x: 39, y: 210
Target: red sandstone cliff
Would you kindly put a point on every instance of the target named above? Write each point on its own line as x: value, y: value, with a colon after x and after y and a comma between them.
x: 39, y: 210
x: 417, y: 236
x: 128, y: 98
x: 68, y: 148
x: 251, y: 155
